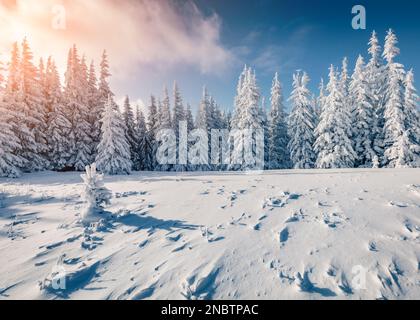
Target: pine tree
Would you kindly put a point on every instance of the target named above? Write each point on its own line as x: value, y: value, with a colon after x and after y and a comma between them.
x: 58, y: 126
x: 344, y: 79
x: 247, y: 116
x: 34, y: 145
x: 301, y: 124
x: 178, y: 116
x: 113, y: 151
x: 14, y: 113
x: 399, y: 150
x: 165, y: 123
x: 95, y: 195
x: 153, y: 122
x: 278, y: 153
x: 375, y: 78
x: 130, y: 131
x: 412, y: 118
x: 189, y: 118
x: 202, y: 145
x: 104, y: 89
x: 363, y: 117
x: 321, y: 99
x: 95, y: 109
x: 10, y: 162
x: 165, y: 113
x: 333, y: 144
x: 76, y: 101
x: 144, y: 147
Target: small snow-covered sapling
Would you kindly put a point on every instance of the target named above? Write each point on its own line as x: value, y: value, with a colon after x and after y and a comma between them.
x: 375, y: 162
x: 95, y: 194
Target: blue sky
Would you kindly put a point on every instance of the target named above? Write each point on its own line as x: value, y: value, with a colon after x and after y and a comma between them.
x: 286, y: 35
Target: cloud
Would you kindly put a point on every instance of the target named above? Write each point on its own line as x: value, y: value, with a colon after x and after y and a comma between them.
x: 162, y: 34
x: 285, y: 55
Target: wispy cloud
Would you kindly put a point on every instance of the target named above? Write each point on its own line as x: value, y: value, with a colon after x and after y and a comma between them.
x: 283, y: 55
x: 135, y: 32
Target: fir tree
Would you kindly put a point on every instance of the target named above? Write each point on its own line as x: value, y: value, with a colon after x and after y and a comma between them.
x: 363, y: 117
x: 333, y: 144
x: 10, y: 162
x: 95, y: 109
x: 202, y: 144
x: 301, y: 124
x: 247, y: 119
x: 113, y: 150
x: 153, y: 123
x: 144, y: 148
x: 165, y: 124
x: 95, y: 195
x: 399, y: 150
x: 34, y: 145
x: 14, y: 113
x: 178, y: 116
x: 58, y: 126
x: 412, y: 118
x: 278, y: 153
x: 75, y: 95
x: 130, y: 131
x: 375, y: 78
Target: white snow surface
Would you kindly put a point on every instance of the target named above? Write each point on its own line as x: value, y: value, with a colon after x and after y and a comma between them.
x: 277, y: 235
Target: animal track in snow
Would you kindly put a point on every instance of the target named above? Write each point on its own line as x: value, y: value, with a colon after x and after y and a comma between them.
x: 280, y: 201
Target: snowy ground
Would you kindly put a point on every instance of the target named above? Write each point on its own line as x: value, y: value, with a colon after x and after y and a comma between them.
x: 347, y: 234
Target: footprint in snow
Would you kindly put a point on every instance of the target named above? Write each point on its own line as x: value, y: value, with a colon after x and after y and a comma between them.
x: 182, y: 247
x: 296, y: 217
x: 372, y: 246
x: 284, y: 236
x: 143, y: 243
x: 174, y: 238
x: 398, y: 204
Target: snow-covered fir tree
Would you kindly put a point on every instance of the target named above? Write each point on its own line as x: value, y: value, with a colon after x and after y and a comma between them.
x: 152, y: 128
x: 375, y: 78
x: 104, y: 88
x: 412, y: 118
x: 189, y: 118
x: 321, y: 98
x: 143, y: 152
x: 34, y: 144
x: 202, y: 144
x: 301, y: 124
x: 178, y: 115
x: 162, y: 135
x: 130, y: 130
x: 247, y: 118
x: 95, y: 195
x: 16, y: 116
x: 113, y: 150
x: 333, y: 144
x: 95, y: 109
x: 58, y: 126
x: 278, y: 153
x: 10, y: 161
x: 363, y: 117
x: 399, y: 150
x: 75, y: 99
